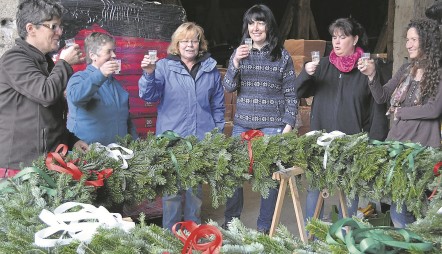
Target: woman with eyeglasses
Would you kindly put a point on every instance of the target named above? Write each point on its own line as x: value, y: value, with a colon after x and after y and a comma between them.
x: 32, y: 115
x: 98, y: 104
x: 263, y: 77
x: 187, y: 85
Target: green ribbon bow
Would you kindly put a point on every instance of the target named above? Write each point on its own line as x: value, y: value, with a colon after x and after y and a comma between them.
x: 395, y: 148
x: 25, y: 174
x: 364, y: 239
x: 173, y: 138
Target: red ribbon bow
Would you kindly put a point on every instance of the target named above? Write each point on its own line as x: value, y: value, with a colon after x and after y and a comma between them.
x: 196, y: 234
x: 436, y: 174
x: 71, y: 169
x: 249, y: 136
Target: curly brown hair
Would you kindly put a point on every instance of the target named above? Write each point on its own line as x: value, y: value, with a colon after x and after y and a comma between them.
x: 430, y: 57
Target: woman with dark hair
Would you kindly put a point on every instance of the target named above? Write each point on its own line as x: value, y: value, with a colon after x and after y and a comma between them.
x: 263, y: 78
x: 342, y: 99
x: 414, y: 93
x: 187, y: 85
x: 33, y: 108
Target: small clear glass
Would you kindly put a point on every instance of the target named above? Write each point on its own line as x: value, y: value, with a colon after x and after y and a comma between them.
x: 315, y: 57
x: 69, y: 42
x: 118, y: 61
x: 365, y: 57
x: 249, y: 43
x: 152, y: 55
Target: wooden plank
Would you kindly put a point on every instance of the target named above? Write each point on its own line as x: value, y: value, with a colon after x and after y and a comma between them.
x: 278, y: 206
x: 298, y: 210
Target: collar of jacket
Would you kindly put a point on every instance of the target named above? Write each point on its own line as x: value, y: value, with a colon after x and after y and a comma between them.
x: 207, y: 63
x: 31, y: 50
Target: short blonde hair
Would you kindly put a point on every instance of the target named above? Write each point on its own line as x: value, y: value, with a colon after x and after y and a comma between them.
x: 184, y: 31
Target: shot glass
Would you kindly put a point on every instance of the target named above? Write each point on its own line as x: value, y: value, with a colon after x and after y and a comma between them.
x: 69, y: 42
x: 249, y: 43
x: 365, y: 57
x: 118, y: 61
x: 315, y: 57
x: 152, y: 55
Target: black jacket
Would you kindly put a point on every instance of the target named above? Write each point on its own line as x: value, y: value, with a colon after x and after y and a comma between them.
x: 342, y: 101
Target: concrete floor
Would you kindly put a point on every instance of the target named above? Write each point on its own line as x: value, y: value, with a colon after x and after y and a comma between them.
x: 252, y: 204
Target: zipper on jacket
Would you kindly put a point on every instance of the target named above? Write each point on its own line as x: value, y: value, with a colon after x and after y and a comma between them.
x: 44, y: 141
x: 337, y: 100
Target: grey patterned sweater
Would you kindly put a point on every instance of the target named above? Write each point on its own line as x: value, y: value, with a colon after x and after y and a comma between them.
x: 266, y: 96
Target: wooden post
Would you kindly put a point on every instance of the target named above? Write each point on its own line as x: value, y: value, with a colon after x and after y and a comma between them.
x: 285, y: 177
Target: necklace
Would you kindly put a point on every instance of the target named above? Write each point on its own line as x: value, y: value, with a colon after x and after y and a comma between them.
x: 413, y: 89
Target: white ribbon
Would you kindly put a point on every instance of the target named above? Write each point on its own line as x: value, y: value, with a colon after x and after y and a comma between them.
x: 113, y: 151
x: 80, y: 225
x: 325, y: 140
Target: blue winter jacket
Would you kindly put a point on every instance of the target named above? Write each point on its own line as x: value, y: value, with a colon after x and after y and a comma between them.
x: 187, y: 106
x: 98, y: 107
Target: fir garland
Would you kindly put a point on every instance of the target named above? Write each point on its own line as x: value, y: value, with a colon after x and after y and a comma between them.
x: 161, y: 166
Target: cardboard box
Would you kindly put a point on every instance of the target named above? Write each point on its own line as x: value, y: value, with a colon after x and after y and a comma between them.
x: 298, y: 63
x: 304, y: 47
x: 228, y: 128
x: 229, y: 98
x: 228, y: 116
x: 303, y: 119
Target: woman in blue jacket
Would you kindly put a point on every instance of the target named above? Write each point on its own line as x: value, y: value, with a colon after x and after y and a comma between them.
x: 188, y: 87
x: 98, y: 105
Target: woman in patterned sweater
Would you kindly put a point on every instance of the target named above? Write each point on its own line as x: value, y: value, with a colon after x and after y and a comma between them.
x: 263, y: 78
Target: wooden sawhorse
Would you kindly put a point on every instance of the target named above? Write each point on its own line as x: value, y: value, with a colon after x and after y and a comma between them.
x: 287, y: 176
x: 323, y: 195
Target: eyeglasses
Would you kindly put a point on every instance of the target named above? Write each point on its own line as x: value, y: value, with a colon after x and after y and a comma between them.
x: 53, y: 27
x: 186, y: 42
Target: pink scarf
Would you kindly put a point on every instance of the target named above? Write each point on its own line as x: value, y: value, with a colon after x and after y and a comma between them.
x: 346, y: 63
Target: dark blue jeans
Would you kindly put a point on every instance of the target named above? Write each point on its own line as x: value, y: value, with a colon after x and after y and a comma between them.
x: 235, y: 204
x: 401, y: 219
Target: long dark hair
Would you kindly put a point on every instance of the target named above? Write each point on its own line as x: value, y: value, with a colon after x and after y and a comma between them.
x: 430, y: 54
x: 260, y: 12
x: 350, y: 27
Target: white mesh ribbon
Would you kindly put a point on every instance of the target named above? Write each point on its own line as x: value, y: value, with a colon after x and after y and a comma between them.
x: 64, y: 226
x: 325, y: 140
x: 114, y: 151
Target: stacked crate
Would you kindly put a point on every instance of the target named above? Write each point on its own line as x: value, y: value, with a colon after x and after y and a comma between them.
x: 300, y: 51
x: 230, y: 104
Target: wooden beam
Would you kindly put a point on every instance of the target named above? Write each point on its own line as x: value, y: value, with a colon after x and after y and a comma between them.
x: 381, y: 44
x: 287, y: 19
x: 303, y: 19
x: 314, y: 35
x: 390, y: 28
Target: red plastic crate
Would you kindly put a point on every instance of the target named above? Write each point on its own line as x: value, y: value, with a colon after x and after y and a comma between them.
x: 144, y: 122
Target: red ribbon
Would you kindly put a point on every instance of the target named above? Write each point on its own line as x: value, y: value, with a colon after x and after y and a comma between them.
x: 436, y: 174
x: 71, y: 169
x: 249, y: 136
x: 191, y: 242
